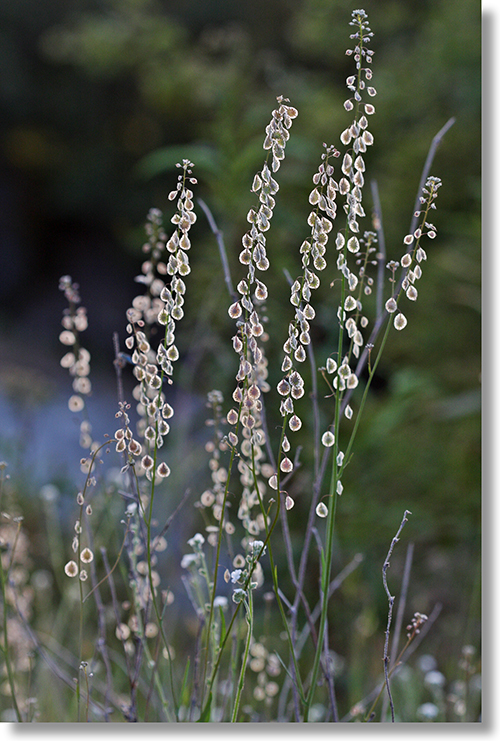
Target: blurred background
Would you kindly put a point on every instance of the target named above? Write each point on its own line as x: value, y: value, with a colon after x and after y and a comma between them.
x: 98, y: 101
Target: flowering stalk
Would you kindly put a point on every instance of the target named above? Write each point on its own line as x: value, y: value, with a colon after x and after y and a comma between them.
x: 162, y: 305
x: 245, y: 417
x: 291, y: 386
x: 77, y: 359
x: 347, y: 242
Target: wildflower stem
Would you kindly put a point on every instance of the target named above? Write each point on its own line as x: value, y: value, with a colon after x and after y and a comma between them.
x: 436, y: 141
x: 391, y: 604
x: 222, y: 248
x: 108, y: 573
x: 381, y: 257
x: 241, y: 681
x: 274, y: 569
x: 214, y: 582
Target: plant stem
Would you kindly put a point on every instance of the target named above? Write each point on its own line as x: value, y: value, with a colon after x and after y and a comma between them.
x: 241, y: 681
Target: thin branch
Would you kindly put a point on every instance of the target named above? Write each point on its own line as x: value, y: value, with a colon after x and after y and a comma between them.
x: 361, y: 706
x: 391, y: 604
x: 402, y: 602
x: 382, y: 254
x: 399, y: 616
x: 222, y: 248
x: 184, y: 499
x: 119, y: 363
x: 308, y: 628
x: 427, y: 167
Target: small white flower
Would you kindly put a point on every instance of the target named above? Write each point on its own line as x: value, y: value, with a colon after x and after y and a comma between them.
x: 235, y: 575
x: 196, y: 541
x: 257, y: 546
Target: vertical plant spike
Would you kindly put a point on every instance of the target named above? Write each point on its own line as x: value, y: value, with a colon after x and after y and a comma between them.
x: 248, y: 312
x: 76, y: 359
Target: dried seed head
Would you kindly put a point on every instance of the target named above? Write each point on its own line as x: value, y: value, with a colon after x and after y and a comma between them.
x: 322, y: 510
x: 294, y: 423
x: 391, y: 305
x: 328, y: 439
x: 400, y: 321
x: 86, y: 556
x: 273, y: 482
x: 163, y: 470
x: 286, y: 465
x: 71, y: 568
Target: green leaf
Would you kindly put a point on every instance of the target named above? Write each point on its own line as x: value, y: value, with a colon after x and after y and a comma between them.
x: 205, y: 713
x: 162, y: 160
x: 185, y: 678
x: 290, y: 676
x: 222, y: 625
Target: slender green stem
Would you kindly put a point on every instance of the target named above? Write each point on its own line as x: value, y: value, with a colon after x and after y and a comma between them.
x: 325, y: 581
x: 274, y: 569
x: 215, y: 570
x: 246, y: 586
x: 241, y: 681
